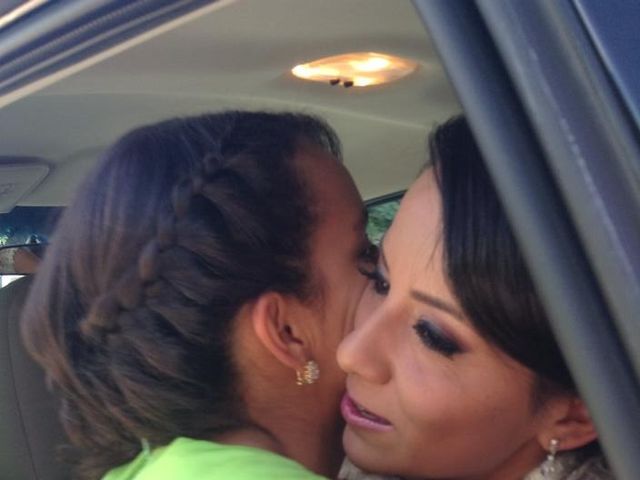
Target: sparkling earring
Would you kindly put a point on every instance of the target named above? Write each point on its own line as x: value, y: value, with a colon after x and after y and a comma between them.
x: 548, y: 467
x: 309, y: 373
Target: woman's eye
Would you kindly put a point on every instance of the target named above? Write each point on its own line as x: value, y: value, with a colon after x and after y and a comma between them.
x: 435, y: 339
x: 368, y: 259
x: 369, y: 268
x: 380, y: 284
x: 370, y: 254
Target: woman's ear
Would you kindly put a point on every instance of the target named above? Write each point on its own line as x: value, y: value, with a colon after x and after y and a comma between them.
x: 273, y: 321
x: 569, y: 422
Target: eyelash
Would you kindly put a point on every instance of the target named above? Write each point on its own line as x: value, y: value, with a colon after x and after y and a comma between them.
x: 370, y: 257
x: 369, y: 254
x: 430, y: 335
x: 434, y: 339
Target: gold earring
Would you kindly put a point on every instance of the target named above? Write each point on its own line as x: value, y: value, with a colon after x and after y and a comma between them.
x: 309, y: 373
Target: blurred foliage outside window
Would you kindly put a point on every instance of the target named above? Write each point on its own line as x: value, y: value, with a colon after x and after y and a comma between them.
x: 380, y: 218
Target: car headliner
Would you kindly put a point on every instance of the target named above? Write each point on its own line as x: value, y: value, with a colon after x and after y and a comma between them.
x: 239, y: 56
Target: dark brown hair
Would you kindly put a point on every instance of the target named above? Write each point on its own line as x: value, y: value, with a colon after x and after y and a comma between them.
x: 180, y: 224
x: 486, y: 268
x: 484, y: 263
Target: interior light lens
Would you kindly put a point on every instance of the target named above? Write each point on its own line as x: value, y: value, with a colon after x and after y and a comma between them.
x: 360, y: 69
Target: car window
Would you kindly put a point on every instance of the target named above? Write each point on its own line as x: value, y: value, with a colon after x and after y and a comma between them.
x: 381, y: 213
x: 27, y: 225
x: 21, y: 226
x: 613, y: 26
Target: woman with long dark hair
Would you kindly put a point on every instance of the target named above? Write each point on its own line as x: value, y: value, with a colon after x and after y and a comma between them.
x: 453, y: 371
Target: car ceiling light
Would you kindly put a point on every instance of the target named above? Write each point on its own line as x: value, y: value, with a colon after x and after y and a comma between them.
x: 360, y: 69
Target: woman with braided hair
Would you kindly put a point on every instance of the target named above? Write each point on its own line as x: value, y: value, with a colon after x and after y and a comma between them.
x: 189, y: 307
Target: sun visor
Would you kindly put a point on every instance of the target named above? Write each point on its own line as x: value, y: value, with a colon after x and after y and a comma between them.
x: 17, y: 180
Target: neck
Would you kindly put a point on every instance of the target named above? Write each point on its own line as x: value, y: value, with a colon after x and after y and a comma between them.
x: 304, y: 434
x: 519, y: 465
x: 303, y: 422
x: 251, y: 437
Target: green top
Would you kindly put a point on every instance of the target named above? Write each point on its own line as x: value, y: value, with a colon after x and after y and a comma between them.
x: 187, y: 459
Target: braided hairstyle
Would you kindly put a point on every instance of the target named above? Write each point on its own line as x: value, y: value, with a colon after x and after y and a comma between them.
x: 179, y: 226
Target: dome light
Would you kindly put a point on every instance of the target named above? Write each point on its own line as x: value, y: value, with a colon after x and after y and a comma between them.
x: 360, y: 69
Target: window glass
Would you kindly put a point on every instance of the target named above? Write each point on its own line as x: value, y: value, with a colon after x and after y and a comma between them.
x: 27, y: 225
x: 23, y: 225
x: 381, y: 213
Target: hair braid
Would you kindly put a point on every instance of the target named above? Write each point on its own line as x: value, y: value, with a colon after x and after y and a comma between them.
x: 129, y: 292
x: 180, y: 225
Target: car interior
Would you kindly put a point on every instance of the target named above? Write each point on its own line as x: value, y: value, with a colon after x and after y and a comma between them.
x: 233, y: 54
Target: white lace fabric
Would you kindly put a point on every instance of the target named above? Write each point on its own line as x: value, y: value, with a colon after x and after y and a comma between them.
x: 568, y: 466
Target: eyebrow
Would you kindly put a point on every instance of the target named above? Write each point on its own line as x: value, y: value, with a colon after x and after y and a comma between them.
x: 437, y: 303
x: 422, y: 296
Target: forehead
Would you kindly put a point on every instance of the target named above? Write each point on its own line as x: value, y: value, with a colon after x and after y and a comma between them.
x: 417, y: 226
x: 332, y: 190
x: 413, y: 245
x: 339, y: 220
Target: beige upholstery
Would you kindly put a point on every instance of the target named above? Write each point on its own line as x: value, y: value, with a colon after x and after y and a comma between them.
x: 30, y: 431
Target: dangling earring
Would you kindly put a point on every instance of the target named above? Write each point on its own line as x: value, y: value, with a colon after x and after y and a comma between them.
x: 309, y: 373
x: 548, y: 467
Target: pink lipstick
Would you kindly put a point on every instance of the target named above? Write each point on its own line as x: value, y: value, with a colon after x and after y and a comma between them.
x: 356, y: 415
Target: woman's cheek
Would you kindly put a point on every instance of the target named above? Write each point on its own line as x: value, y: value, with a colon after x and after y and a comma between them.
x: 367, y: 305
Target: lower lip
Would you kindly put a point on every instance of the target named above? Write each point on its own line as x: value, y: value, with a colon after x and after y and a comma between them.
x: 354, y: 418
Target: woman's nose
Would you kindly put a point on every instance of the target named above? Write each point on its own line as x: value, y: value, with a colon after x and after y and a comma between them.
x: 364, y: 352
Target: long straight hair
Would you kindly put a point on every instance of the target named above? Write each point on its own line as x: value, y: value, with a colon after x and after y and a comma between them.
x: 484, y: 263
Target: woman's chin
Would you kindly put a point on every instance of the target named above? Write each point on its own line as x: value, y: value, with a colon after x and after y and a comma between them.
x: 366, y: 456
